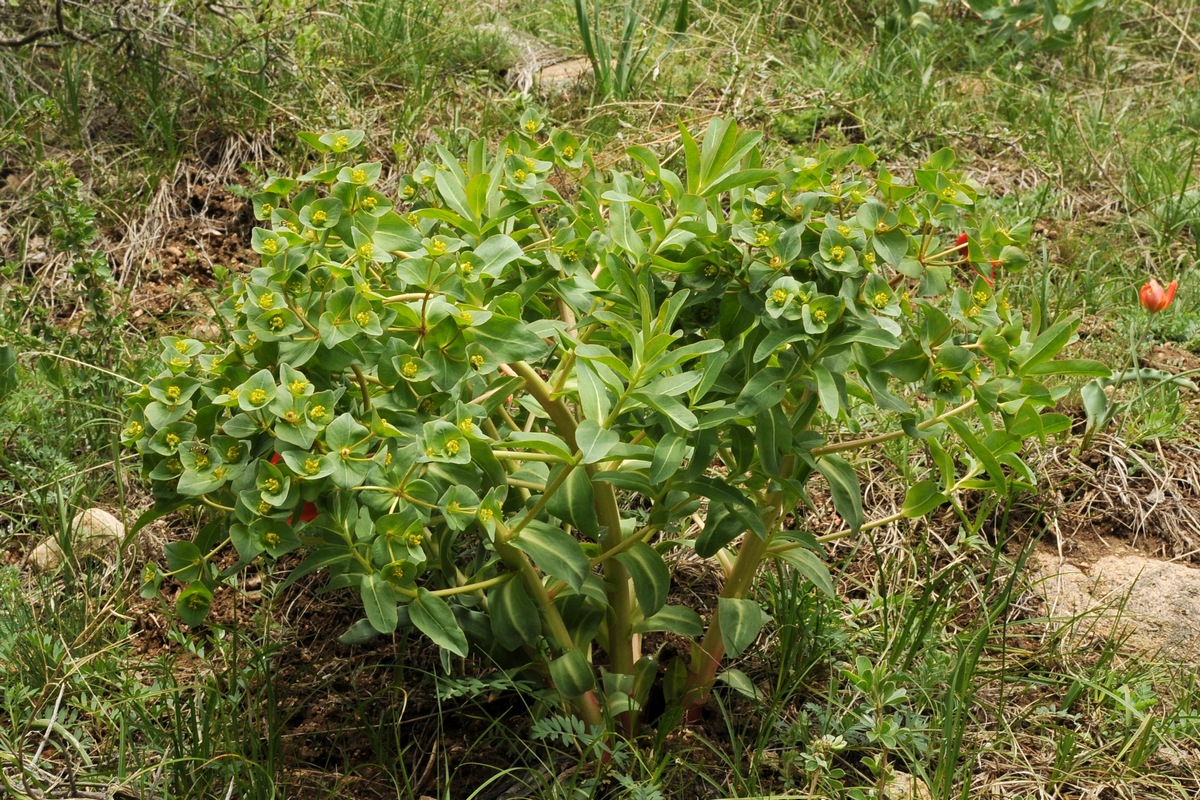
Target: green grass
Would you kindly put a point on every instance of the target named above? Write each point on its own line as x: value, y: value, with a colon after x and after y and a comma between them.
x: 1096, y: 142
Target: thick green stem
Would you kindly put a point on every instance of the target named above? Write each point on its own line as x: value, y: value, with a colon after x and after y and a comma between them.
x: 616, y: 578
x: 587, y: 706
x: 706, y: 660
x: 867, y: 441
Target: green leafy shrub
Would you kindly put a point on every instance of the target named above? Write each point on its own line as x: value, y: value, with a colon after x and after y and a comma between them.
x: 490, y: 409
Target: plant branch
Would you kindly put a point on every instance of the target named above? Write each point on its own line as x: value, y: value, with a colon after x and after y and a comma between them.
x: 867, y: 441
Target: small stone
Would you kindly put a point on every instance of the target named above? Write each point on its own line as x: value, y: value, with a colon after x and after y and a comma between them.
x: 1154, y: 604
x: 903, y: 786
x: 94, y: 532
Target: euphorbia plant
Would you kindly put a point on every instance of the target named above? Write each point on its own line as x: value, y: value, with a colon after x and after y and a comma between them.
x: 508, y: 400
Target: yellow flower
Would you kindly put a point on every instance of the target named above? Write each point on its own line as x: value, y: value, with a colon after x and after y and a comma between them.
x: 948, y: 193
x: 869, y: 258
x: 312, y: 465
x: 756, y: 215
x: 466, y: 426
x: 134, y: 430
x: 981, y: 297
x: 776, y: 262
x: 452, y: 447
x: 258, y: 397
x: 568, y: 152
x: 172, y: 439
x: 363, y: 319
x: 359, y: 176
x: 836, y: 254
x: 341, y: 143
x: 409, y: 369
x: 267, y: 208
x: 485, y: 515
x: 181, y: 347
x: 173, y: 393
x: 844, y: 230
x: 819, y: 315
x: 233, y: 452
x: 271, y: 486
x: 180, y: 362
x: 369, y: 202
x: 779, y: 297
x: 266, y: 301
x: 276, y: 322
x: 319, y: 216
x: 880, y: 300
x: 476, y: 361
x: 519, y: 175
x: 271, y: 538
x: 437, y: 247
x: 531, y: 126
x: 291, y: 417
x: 270, y: 246
x: 881, y: 227
x: 316, y: 412
x: 366, y: 249
x: 762, y: 238
x: 200, y: 460
x: 413, y: 539
x: 298, y: 386
x: 264, y: 507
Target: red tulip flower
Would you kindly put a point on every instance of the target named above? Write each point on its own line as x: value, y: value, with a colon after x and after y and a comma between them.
x: 1155, y: 298
x: 961, y: 244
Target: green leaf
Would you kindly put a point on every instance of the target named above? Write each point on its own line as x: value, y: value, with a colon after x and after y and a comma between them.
x: 1095, y: 404
x: 722, y: 492
x: 673, y: 619
x: 595, y: 442
x: 433, y: 617
x: 810, y: 566
x: 650, y: 576
x: 572, y: 674
x: 827, y: 391
x: 509, y: 339
x: 379, y: 601
x: 1071, y: 366
x: 317, y: 559
x: 741, y: 622
x: 359, y: 633
x: 193, y: 604
x: 556, y: 552
x: 921, y: 498
x: 844, y: 486
x: 740, y: 682
x: 8, y: 370
x: 985, y: 456
x: 184, y: 559
x: 513, y: 615
x: 721, y: 526
x: 1045, y: 347
x: 497, y: 252
x: 669, y: 407
x: 765, y: 389
x: 574, y: 500
x: 668, y: 456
